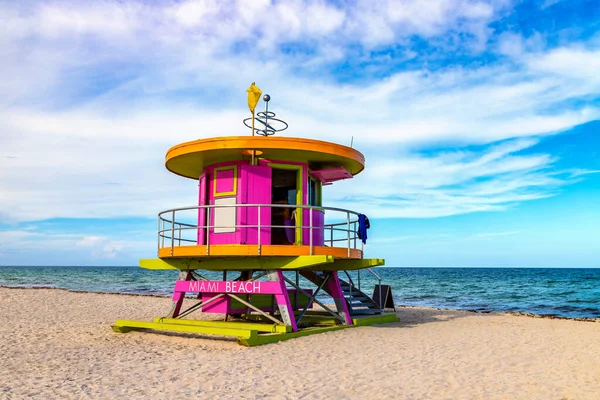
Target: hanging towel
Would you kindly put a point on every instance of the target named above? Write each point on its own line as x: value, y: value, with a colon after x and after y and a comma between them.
x: 363, y: 225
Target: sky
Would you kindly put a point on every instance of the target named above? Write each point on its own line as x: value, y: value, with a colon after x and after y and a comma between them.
x: 479, y: 120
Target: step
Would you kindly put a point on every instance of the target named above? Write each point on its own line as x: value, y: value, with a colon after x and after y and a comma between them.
x: 361, y: 298
x: 362, y: 303
x: 365, y: 311
x: 369, y: 305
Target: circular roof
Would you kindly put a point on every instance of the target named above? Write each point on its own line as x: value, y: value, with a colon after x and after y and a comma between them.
x: 189, y: 159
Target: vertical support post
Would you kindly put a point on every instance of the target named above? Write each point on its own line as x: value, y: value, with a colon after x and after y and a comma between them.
x: 178, y: 297
x: 334, y: 288
x: 283, y: 300
x: 258, y: 232
x: 253, y: 151
x: 358, y: 279
x: 208, y: 231
x: 310, y: 229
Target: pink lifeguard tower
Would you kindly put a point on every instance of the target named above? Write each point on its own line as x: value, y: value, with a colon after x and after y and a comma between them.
x: 260, y: 248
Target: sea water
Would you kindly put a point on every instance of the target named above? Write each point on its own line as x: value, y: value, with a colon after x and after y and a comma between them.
x: 567, y: 292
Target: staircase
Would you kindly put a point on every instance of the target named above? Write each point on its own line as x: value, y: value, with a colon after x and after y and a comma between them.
x: 358, y: 302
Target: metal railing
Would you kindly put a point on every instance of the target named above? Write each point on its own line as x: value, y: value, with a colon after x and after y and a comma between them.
x: 179, y: 226
x: 370, y: 283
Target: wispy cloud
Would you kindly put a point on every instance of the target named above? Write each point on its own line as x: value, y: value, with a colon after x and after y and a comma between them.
x: 99, y: 91
x: 455, y: 182
x: 493, y: 234
x: 40, y: 242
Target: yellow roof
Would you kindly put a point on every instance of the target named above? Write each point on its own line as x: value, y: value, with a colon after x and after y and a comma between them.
x: 189, y: 159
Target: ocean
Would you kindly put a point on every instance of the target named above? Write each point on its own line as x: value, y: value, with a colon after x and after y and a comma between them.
x: 565, y: 292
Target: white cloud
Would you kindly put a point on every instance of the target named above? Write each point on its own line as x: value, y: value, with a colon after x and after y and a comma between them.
x: 452, y: 182
x: 38, y: 242
x: 549, y: 3
x: 99, y: 92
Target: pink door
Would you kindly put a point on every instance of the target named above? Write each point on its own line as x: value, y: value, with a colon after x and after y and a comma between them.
x: 201, y: 211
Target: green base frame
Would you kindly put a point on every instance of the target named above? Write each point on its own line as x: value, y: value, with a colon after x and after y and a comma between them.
x: 248, y: 333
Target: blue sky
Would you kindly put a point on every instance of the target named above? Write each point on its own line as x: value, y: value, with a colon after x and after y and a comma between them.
x: 479, y: 120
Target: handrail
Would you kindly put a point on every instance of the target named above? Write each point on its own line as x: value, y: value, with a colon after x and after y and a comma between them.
x: 381, y: 306
x: 318, y: 208
x: 168, y: 226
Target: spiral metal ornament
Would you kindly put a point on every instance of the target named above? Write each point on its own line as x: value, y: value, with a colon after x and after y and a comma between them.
x: 265, y: 122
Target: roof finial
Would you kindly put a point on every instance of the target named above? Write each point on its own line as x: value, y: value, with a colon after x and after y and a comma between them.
x: 267, y: 121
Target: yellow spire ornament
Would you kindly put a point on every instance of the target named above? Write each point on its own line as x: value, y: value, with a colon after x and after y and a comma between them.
x: 253, y: 98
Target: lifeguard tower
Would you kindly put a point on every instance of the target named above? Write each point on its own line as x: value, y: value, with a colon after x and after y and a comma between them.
x: 260, y: 248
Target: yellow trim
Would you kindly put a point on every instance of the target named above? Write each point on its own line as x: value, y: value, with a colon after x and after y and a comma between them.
x: 235, y: 179
x: 124, y: 326
x: 189, y: 159
x: 257, y: 326
x: 237, y: 263
x: 251, y: 250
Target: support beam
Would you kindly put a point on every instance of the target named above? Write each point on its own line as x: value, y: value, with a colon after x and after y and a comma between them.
x: 255, y: 326
x: 178, y: 297
x: 283, y: 300
x: 124, y: 326
x: 348, y: 264
x: 236, y: 264
x: 335, y: 290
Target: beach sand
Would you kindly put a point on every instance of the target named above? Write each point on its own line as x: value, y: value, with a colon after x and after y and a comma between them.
x: 59, y: 344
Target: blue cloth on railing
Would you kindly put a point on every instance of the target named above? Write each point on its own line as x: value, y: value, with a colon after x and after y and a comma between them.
x: 363, y: 225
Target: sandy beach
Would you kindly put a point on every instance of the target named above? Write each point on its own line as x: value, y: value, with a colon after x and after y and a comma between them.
x: 59, y: 344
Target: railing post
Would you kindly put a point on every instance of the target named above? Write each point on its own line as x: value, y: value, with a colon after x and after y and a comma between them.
x: 163, y: 233
x: 207, y: 231
x: 331, y: 235
x: 380, y: 305
x: 359, y: 279
x: 172, y: 231
x: 258, y: 233
x: 179, y: 235
x: 158, y: 237
x: 310, y: 229
x: 297, y: 291
x: 348, y: 228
